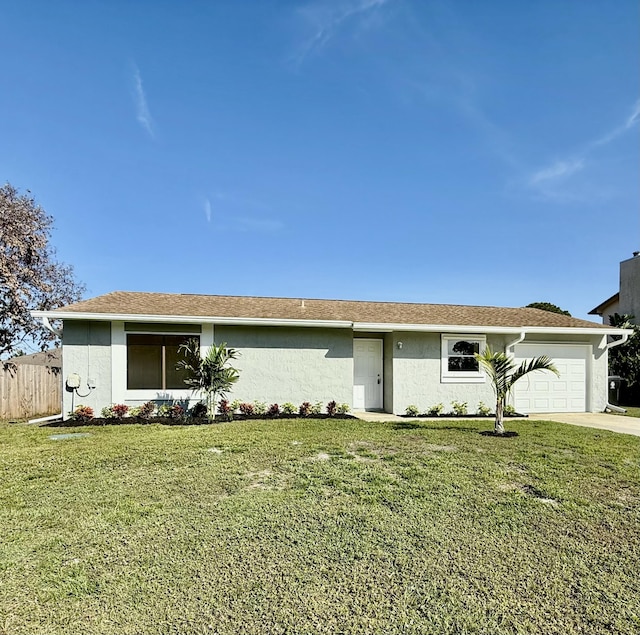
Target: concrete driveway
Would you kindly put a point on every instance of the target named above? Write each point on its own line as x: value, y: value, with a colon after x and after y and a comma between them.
x: 615, y: 423
x: 600, y: 420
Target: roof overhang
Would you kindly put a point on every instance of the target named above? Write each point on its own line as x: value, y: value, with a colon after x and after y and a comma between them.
x: 371, y: 327
x: 599, y: 310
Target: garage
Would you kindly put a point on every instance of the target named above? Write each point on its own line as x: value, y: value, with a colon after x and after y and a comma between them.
x: 543, y: 391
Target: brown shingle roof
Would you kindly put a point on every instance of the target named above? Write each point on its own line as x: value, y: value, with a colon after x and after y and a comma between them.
x: 183, y: 305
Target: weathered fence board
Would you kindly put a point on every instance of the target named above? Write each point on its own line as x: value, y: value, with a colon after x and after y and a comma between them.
x: 29, y: 390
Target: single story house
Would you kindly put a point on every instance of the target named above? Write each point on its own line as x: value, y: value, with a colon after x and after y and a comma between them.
x: 122, y: 348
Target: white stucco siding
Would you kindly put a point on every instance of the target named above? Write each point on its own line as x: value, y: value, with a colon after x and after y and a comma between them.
x: 279, y: 364
x: 86, y: 351
x: 417, y: 375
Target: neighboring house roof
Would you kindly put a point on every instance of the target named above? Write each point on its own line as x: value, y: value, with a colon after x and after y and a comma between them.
x: 137, y: 306
x: 51, y: 358
x: 601, y: 308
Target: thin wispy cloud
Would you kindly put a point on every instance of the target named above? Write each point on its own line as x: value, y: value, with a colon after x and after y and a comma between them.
x: 240, y: 213
x: 140, y: 100
x: 327, y: 19
x: 630, y: 122
x: 634, y: 118
x: 557, y: 170
x: 564, y: 168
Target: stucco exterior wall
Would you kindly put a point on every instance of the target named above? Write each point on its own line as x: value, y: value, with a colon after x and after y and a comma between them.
x: 387, y: 378
x: 417, y: 375
x: 279, y: 364
x: 630, y: 288
x: 612, y: 308
x: 86, y: 350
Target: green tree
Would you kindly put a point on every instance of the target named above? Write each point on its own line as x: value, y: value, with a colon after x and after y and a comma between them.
x: 547, y: 306
x: 31, y: 278
x: 624, y: 360
x: 209, y: 374
x: 504, y: 373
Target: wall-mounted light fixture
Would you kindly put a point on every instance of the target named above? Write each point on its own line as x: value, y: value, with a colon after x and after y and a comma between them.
x: 400, y: 345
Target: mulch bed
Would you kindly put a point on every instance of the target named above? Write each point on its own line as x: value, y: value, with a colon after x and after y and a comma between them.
x: 181, y: 421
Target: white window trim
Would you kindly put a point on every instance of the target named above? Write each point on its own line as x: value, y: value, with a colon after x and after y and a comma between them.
x: 119, y: 391
x: 463, y: 377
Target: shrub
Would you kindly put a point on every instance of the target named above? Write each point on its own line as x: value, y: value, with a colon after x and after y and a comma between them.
x: 412, y: 410
x: 344, y: 408
x: 235, y: 404
x: 114, y: 411
x: 107, y: 412
x: 82, y: 413
x: 509, y: 410
x: 483, y: 409
x: 146, y: 410
x: 288, y: 408
x: 198, y: 410
x: 224, y: 409
x: 332, y: 408
x: 259, y: 407
x: 274, y: 410
x: 305, y: 409
x: 436, y: 410
x: 120, y: 410
x: 459, y: 408
x: 247, y: 409
x: 171, y: 411
x: 316, y: 409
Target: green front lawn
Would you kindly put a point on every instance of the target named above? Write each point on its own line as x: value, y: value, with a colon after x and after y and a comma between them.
x: 333, y: 526
x: 632, y: 412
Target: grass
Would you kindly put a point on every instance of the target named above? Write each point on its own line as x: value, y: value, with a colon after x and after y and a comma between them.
x: 632, y: 412
x: 333, y: 526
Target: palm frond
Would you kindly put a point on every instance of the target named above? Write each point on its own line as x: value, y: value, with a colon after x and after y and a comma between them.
x: 539, y: 363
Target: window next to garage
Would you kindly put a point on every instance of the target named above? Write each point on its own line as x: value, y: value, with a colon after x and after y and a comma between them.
x: 152, y: 359
x: 458, y: 363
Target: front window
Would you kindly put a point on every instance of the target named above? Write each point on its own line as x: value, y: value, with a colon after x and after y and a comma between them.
x: 151, y: 362
x: 458, y: 358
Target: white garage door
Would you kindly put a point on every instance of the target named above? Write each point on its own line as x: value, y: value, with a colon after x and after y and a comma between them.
x: 542, y: 391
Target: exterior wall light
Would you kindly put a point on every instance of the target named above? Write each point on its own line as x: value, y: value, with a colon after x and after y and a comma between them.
x: 400, y: 345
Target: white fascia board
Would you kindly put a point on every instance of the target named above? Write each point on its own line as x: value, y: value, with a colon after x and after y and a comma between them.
x: 190, y: 319
x: 342, y: 324
x: 504, y: 330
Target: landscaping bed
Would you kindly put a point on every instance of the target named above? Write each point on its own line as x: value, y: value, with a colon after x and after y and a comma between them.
x: 186, y: 420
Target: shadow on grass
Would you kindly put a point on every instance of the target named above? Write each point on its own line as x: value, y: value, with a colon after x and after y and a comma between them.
x: 413, y: 426
x: 504, y: 435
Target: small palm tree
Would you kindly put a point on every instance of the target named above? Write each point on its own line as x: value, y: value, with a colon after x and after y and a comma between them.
x: 209, y: 374
x: 504, y: 373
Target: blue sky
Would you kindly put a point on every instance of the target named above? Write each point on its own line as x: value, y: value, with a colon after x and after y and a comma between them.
x: 447, y: 151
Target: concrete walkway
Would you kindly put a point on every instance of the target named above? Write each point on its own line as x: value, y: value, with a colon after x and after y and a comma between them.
x: 600, y: 420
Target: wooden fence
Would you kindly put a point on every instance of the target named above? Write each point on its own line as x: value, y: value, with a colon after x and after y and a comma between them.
x: 27, y: 391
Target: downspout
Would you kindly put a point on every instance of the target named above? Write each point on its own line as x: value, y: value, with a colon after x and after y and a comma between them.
x: 58, y: 333
x: 47, y: 324
x: 609, y: 406
x: 512, y: 344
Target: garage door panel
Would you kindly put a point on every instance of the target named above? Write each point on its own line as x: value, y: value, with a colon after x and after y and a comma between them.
x: 544, y: 392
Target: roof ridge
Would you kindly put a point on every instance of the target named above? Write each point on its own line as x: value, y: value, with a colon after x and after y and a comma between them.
x: 309, y: 299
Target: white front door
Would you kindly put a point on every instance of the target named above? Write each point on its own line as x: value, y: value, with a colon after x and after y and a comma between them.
x: 367, y: 374
x: 543, y: 391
